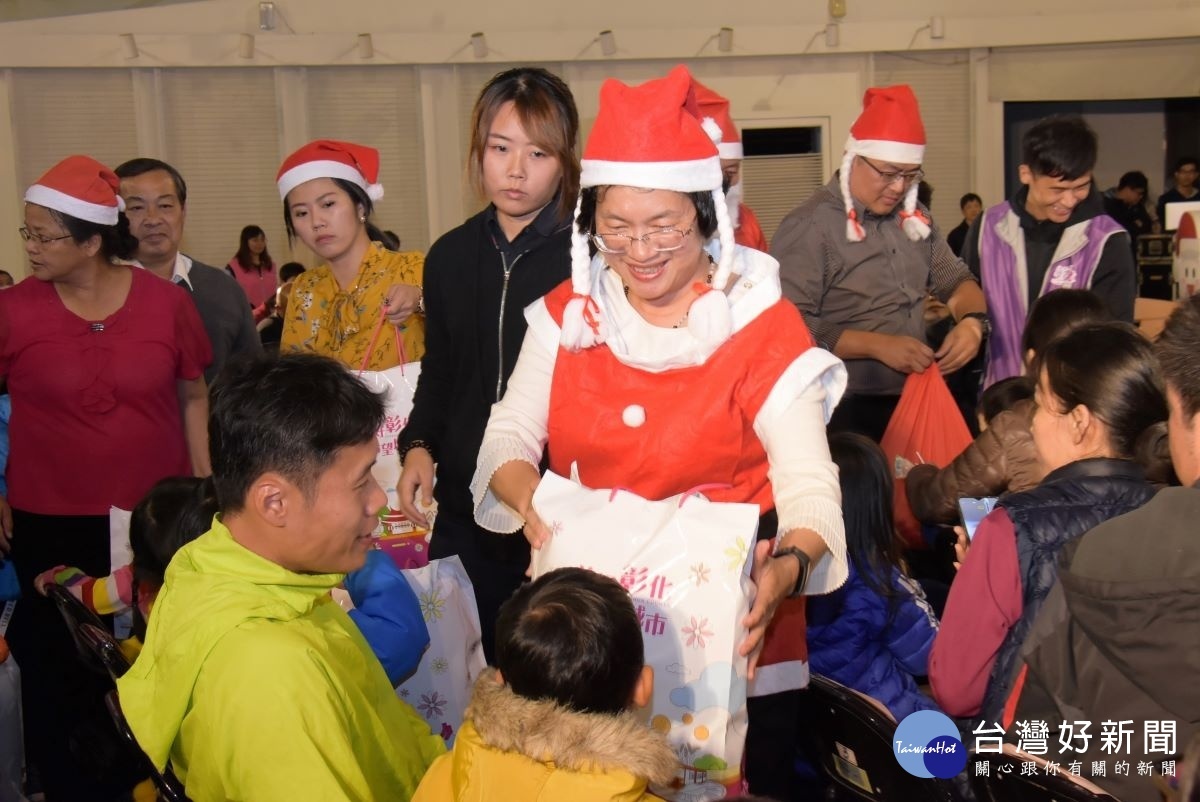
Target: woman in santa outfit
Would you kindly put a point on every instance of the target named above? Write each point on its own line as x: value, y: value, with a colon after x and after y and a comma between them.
x: 669, y: 361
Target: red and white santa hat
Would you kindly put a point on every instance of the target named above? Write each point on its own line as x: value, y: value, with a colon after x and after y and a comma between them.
x: 730, y: 147
x: 329, y: 158
x: 81, y: 187
x: 888, y: 129
x: 713, y: 105
x: 650, y: 136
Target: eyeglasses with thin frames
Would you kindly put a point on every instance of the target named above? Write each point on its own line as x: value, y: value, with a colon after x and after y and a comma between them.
x: 890, y: 177
x: 661, y: 240
x: 29, y: 236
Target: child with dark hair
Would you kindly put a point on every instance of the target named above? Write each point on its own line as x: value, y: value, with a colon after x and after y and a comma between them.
x: 1003, y: 459
x: 553, y: 719
x: 875, y: 632
x: 1002, y: 396
x: 176, y: 511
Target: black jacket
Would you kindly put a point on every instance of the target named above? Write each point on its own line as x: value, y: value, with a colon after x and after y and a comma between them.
x: 474, y: 326
x: 1068, y: 502
x: 225, y: 314
x: 1118, y: 639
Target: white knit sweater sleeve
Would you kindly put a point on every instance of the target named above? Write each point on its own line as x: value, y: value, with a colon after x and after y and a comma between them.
x: 804, y: 480
x: 516, y: 430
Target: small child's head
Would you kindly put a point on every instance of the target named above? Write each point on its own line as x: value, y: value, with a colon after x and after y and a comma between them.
x: 1002, y: 396
x: 175, y: 512
x: 573, y: 637
x: 1057, y: 314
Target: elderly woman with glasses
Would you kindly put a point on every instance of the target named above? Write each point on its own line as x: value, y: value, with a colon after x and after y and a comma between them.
x: 105, y: 366
x: 670, y: 360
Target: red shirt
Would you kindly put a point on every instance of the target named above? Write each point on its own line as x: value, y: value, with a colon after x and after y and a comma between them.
x: 985, y: 602
x: 95, y: 407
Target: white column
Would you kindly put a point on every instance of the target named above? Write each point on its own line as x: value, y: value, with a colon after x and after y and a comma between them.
x: 444, y: 182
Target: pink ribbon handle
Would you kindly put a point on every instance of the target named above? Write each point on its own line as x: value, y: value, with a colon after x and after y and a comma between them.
x: 375, y: 338
x: 699, y: 489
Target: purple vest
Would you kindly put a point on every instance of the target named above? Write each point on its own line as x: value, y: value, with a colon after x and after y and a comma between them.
x: 1002, y: 265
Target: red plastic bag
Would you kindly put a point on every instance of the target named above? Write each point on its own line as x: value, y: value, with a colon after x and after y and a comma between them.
x: 927, y: 426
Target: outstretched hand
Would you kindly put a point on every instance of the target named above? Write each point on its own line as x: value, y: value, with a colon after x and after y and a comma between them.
x: 774, y: 579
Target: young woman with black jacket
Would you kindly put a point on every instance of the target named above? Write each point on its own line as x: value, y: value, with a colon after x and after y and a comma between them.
x: 479, y: 278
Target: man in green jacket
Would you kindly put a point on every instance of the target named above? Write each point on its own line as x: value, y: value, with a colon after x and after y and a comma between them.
x: 253, y: 683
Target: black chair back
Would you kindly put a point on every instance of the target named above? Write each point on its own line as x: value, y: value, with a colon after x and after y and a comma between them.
x: 850, y: 736
x: 1004, y: 780
x: 76, y: 616
x: 169, y: 787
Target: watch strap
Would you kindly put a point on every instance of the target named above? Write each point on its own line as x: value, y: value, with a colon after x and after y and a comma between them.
x: 805, y: 563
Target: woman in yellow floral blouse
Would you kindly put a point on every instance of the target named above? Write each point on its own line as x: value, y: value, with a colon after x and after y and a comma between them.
x: 328, y: 189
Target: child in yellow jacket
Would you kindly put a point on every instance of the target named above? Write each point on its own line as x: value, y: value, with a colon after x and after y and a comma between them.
x: 552, y: 720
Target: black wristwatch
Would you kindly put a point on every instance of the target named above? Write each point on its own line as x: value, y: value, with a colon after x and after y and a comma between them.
x: 805, y: 563
x: 984, y: 321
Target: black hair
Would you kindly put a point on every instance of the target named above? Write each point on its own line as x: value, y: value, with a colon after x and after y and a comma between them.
x: 1177, y: 348
x: 867, y: 493
x: 176, y: 511
x: 546, y: 108
x: 1057, y: 313
x: 1184, y: 161
x: 141, y: 165
x: 1062, y: 146
x: 289, y: 270
x: 1110, y: 369
x: 289, y: 415
x: 243, y: 255
x: 116, y: 242
x: 925, y: 193
x: 1134, y: 179
x: 390, y: 240
x: 706, y: 211
x: 965, y: 199
x: 573, y: 637
x: 358, y: 196
x: 1004, y: 395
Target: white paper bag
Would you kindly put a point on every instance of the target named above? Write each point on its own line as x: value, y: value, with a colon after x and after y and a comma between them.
x: 441, y: 687
x: 398, y: 385
x: 687, y: 568
x: 120, y: 554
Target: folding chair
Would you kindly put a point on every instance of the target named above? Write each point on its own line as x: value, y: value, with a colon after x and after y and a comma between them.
x: 1005, y: 781
x: 850, y: 735
x: 169, y: 787
x: 75, y: 615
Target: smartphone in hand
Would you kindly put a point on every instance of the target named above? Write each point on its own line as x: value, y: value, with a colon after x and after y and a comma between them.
x: 973, y: 510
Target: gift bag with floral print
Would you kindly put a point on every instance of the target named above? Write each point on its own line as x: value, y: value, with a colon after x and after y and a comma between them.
x: 686, y: 563
x: 441, y: 687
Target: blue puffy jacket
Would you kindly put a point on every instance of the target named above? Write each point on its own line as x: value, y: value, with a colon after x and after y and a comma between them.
x: 851, y: 640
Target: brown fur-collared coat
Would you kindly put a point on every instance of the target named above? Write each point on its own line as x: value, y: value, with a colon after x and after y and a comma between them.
x: 513, y: 748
